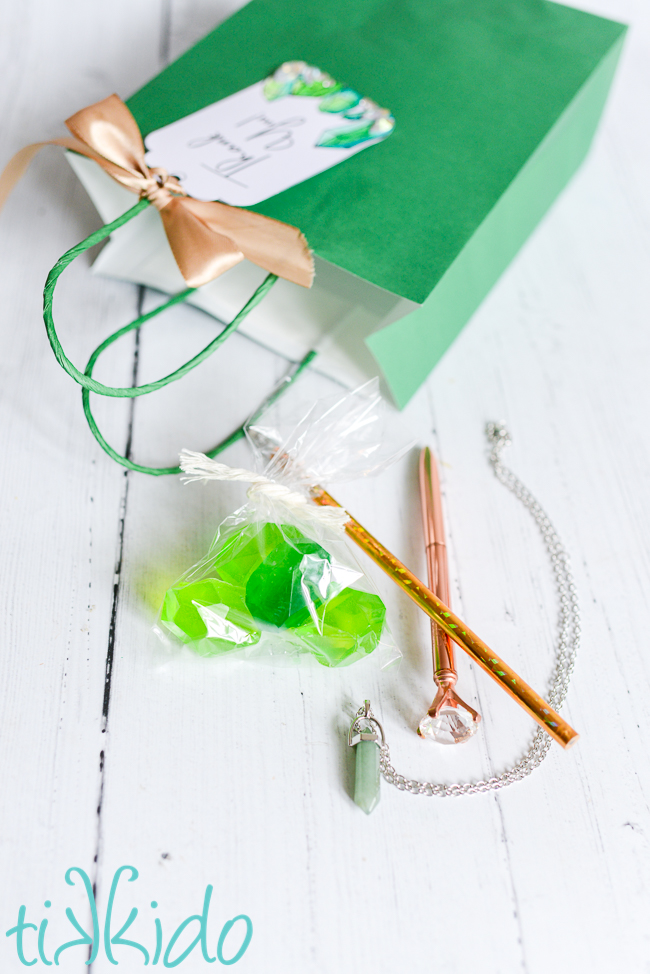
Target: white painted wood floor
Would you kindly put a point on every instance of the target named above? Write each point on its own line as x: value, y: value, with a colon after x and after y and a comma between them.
x: 238, y: 776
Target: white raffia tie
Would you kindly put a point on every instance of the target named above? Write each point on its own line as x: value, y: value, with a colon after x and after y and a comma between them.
x: 199, y: 467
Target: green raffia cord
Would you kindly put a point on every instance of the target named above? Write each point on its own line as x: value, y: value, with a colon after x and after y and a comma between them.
x: 238, y: 434
x: 89, y: 384
x: 130, y: 392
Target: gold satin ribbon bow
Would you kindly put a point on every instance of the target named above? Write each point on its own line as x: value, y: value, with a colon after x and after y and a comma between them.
x: 206, y: 239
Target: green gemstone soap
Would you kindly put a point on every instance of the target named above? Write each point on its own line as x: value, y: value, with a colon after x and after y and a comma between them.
x: 350, y: 626
x: 295, y: 574
x: 210, y: 615
x: 271, y: 576
x: 245, y: 550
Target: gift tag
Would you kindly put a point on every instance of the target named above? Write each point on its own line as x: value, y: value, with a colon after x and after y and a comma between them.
x: 262, y: 140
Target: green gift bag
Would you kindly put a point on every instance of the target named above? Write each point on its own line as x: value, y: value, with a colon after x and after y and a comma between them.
x: 495, y: 103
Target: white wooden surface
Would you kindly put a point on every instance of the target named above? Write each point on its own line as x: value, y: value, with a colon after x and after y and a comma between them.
x: 238, y: 776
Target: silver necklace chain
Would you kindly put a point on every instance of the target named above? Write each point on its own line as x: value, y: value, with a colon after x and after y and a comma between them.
x: 568, y: 641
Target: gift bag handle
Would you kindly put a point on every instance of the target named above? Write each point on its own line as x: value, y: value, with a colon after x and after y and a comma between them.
x: 89, y: 384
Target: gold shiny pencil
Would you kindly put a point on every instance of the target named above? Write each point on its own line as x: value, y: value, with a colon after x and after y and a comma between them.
x: 451, y: 624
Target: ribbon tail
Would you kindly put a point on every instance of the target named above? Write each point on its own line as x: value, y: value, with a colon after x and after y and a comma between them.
x: 277, y: 247
x: 200, y: 252
x: 16, y: 169
x: 18, y: 164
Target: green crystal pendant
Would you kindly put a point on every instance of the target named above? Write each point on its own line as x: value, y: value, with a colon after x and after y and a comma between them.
x: 366, y: 776
x: 364, y: 736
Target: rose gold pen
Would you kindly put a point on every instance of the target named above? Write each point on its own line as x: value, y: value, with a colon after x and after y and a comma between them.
x: 453, y: 626
x: 449, y: 719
